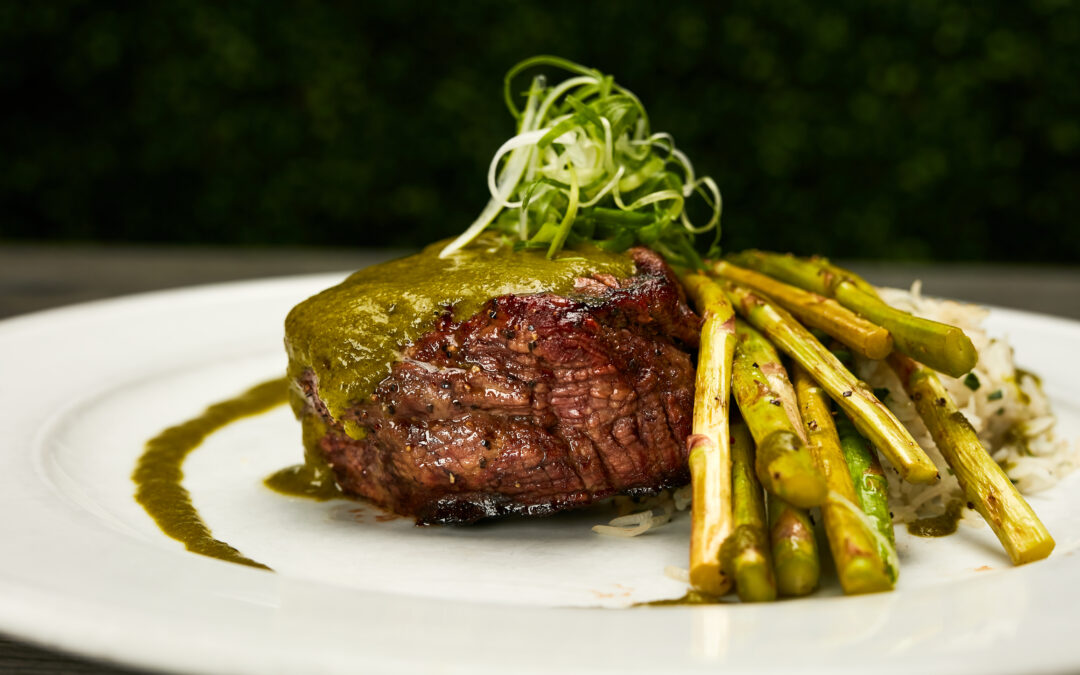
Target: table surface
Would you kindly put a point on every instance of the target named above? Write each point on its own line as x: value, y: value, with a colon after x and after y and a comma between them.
x: 43, y: 276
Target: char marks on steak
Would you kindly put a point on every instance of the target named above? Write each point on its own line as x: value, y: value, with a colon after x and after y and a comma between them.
x: 537, y: 403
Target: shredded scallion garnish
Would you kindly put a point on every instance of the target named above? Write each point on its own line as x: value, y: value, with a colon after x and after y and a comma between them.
x: 585, y: 167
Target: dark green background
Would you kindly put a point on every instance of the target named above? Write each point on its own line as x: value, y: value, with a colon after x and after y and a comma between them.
x: 885, y: 129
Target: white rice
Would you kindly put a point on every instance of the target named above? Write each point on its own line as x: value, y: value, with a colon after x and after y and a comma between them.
x: 1007, y: 408
x: 639, y: 515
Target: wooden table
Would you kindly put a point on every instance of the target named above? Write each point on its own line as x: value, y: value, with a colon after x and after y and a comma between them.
x: 37, y: 277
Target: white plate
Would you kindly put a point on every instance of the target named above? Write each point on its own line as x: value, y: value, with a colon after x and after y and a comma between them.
x: 84, y: 569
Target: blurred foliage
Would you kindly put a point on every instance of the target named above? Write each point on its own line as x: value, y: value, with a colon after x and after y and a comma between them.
x: 917, y: 129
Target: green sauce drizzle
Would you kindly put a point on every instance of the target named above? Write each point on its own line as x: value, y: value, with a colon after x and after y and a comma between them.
x: 938, y: 526
x: 159, y: 472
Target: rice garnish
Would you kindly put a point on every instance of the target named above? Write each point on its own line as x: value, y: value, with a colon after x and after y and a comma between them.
x: 638, y: 515
x: 1006, y: 406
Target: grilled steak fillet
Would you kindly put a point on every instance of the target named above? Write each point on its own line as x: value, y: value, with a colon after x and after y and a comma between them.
x: 536, y: 403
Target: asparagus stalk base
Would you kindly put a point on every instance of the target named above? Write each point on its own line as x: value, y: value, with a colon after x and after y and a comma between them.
x: 985, y: 484
x: 871, y: 485
x: 940, y: 346
x: 746, y: 555
x: 794, y: 548
x: 709, y: 446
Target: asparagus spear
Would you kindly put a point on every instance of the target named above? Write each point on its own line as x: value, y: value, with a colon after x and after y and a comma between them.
x: 942, y: 347
x: 784, y: 465
x: 837, y: 272
x: 985, y: 484
x: 709, y: 446
x: 787, y: 268
x: 815, y: 311
x: 859, y: 565
x: 871, y: 417
x: 794, y: 548
x: 871, y: 486
x: 745, y: 554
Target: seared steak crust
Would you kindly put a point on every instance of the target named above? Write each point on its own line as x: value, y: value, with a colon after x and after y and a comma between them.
x: 537, y: 403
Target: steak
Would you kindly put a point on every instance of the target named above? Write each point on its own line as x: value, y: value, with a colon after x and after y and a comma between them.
x: 535, y: 404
